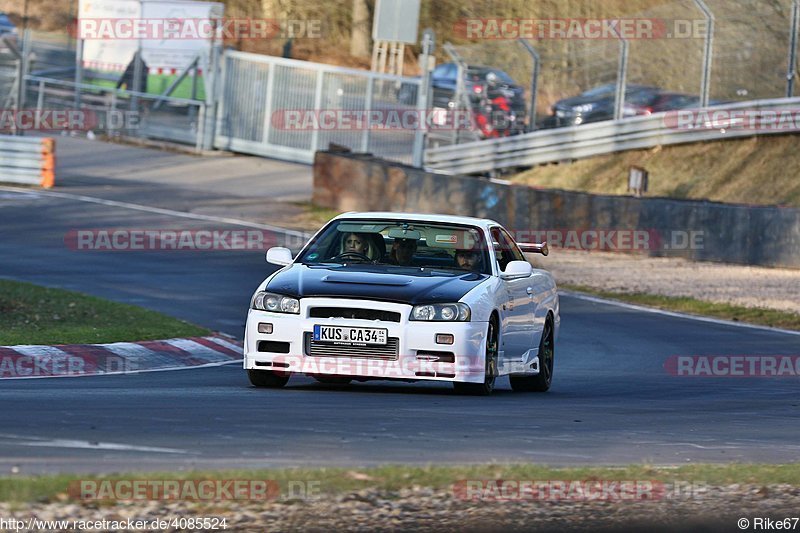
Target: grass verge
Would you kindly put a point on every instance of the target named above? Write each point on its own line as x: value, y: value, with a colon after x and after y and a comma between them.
x: 30, y: 314
x: 729, y: 171
x: 336, y: 481
x: 312, y: 216
x: 752, y: 315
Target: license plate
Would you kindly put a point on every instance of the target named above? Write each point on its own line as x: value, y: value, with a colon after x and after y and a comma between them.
x: 350, y: 336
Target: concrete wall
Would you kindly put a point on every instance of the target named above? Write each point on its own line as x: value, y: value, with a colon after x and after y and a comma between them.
x: 703, y: 231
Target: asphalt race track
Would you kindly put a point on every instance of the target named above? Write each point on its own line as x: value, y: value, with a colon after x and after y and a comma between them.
x: 612, y: 401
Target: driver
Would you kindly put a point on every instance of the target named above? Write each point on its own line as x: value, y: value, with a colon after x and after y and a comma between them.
x: 468, y: 260
x: 357, y: 243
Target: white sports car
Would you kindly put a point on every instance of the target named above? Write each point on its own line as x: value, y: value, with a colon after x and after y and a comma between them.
x: 405, y: 296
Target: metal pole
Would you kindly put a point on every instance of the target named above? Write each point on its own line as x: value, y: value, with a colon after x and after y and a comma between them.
x: 40, y: 99
x: 368, y: 98
x: 459, y: 94
x: 267, y: 107
x: 24, y: 65
x: 705, y: 86
x: 317, y: 108
x: 137, y: 78
x: 791, y: 72
x: 534, y: 82
x: 428, y: 48
x: 212, y: 96
x: 25, y: 16
x: 622, y: 75
x: 78, y: 72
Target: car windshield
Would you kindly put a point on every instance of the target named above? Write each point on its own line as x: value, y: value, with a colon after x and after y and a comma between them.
x: 400, y: 244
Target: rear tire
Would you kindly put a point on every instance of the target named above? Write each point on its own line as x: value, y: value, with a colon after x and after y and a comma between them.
x: 267, y: 378
x: 542, y: 381
x: 490, y: 369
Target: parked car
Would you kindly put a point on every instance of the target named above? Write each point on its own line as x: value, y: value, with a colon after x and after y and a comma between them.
x: 597, y: 104
x: 670, y: 101
x: 496, y: 100
x: 409, y: 297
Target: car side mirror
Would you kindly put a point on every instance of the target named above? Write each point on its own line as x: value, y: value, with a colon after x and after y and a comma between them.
x: 517, y: 269
x: 279, y: 255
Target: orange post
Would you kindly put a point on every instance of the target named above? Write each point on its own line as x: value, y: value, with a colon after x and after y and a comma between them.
x: 48, y: 162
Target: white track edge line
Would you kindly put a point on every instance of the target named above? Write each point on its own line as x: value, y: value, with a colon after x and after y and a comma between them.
x: 129, y: 373
x: 161, y: 211
x: 674, y: 314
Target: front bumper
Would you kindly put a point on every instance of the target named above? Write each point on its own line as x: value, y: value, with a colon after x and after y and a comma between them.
x: 417, y: 354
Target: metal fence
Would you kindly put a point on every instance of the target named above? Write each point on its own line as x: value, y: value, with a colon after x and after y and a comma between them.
x: 564, y: 144
x: 698, y: 52
x: 289, y: 109
x: 118, y: 112
x: 724, y: 52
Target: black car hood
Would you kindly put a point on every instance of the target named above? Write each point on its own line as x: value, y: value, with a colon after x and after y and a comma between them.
x: 410, y: 285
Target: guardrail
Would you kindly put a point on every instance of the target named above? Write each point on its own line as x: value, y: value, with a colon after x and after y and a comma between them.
x: 28, y: 160
x: 576, y: 142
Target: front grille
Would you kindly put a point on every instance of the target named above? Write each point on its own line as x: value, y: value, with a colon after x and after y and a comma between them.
x: 347, y: 312
x: 320, y: 349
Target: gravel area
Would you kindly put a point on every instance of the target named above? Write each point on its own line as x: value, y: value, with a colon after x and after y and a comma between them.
x: 773, y: 288
x: 715, y: 508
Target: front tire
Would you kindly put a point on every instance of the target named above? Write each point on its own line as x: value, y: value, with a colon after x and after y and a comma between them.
x: 267, y: 378
x: 490, y: 368
x: 542, y: 381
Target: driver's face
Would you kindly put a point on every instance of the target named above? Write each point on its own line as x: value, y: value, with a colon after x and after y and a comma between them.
x: 354, y: 243
x: 467, y: 260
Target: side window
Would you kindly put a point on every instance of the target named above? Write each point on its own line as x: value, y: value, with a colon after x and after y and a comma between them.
x: 516, y: 253
x: 505, y: 249
x: 501, y: 254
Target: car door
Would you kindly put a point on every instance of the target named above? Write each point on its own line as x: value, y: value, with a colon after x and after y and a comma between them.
x: 517, y: 318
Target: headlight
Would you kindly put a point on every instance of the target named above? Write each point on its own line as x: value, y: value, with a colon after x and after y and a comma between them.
x: 277, y: 303
x: 457, y: 312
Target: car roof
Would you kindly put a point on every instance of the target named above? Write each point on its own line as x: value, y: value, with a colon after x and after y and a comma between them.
x: 483, y: 223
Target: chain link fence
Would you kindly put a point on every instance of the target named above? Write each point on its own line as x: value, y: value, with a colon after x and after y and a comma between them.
x: 690, y: 53
x: 683, y: 54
